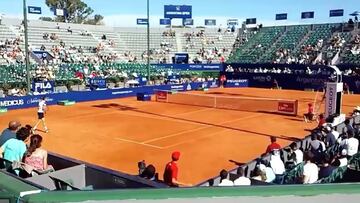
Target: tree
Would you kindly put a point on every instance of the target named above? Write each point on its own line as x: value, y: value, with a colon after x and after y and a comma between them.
x: 77, y: 11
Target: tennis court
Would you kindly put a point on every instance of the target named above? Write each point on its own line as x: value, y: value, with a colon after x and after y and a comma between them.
x: 118, y: 133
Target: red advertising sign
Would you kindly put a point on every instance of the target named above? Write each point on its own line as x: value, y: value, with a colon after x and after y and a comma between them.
x: 161, y: 96
x: 288, y: 107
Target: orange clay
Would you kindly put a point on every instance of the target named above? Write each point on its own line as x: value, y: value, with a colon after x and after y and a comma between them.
x: 120, y: 132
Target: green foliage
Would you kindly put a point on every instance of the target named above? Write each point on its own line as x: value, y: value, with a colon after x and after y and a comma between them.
x: 78, y: 12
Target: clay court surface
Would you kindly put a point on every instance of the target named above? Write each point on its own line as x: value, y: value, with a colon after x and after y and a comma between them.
x: 118, y: 133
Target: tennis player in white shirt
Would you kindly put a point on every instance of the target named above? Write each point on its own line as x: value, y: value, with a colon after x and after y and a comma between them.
x: 41, y: 114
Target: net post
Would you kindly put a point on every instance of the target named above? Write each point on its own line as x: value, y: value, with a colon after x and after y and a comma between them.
x: 296, y: 107
x: 215, y: 104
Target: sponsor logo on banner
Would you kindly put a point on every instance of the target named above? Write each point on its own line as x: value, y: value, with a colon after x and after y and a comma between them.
x: 177, y: 87
x: 161, y: 95
x: 36, y: 100
x: 288, y: 107
x: 15, y: 102
x: 313, y: 81
x: 43, y: 86
x: 262, y: 78
x: 330, y: 106
x: 122, y: 92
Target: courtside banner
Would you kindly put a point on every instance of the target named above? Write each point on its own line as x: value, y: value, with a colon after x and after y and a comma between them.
x: 12, y: 102
x: 212, y: 67
x: 288, y: 107
x: 237, y: 83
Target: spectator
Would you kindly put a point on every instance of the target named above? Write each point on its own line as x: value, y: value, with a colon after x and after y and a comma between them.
x: 241, y: 180
x: 259, y: 174
x: 348, y: 127
x: 224, y: 181
x: 103, y: 37
x: 352, y: 144
x: 277, y: 165
x: 322, y: 121
x: 42, y: 48
x: 15, y: 148
x: 69, y: 30
x: 149, y: 173
x: 326, y: 169
x: 315, y: 144
x: 10, y: 132
x: 295, y: 154
x: 35, y: 156
x: 57, y: 26
x: 342, y: 158
x: 332, y: 136
x: 273, y: 146
x: 311, y: 171
x: 269, y: 172
x: 171, y: 172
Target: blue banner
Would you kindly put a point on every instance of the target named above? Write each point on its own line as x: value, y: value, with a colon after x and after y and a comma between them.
x: 43, y: 86
x: 281, y: 16
x: 210, y: 22
x: 188, y: 21
x: 142, y: 21
x: 177, y: 11
x: 232, y: 22
x: 165, y: 21
x: 203, y: 67
x: 336, y: 13
x: 97, y: 83
x: 34, y: 9
x: 82, y: 96
x: 251, y: 21
x: 43, y: 55
x: 237, y: 83
x: 306, y: 15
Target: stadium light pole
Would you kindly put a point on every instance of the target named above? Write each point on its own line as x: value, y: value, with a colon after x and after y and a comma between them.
x: 148, y: 43
x: 27, y: 62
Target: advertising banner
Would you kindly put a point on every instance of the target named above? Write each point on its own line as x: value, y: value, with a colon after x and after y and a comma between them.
x: 177, y: 11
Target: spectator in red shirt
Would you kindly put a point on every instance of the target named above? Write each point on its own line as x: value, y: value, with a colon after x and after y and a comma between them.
x: 273, y: 145
x: 322, y: 121
x: 222, y: 80
x: 171, y: 172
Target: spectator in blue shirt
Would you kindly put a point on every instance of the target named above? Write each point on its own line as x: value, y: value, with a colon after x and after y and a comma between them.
x: 15, y: 148
x: 9, y: 132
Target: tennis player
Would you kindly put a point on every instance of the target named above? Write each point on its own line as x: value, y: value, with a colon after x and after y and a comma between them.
x: 41, y: 114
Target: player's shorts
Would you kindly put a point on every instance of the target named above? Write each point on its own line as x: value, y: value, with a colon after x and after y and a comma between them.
x: 40, y: 115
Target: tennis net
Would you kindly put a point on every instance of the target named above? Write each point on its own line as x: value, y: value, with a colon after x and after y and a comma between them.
x: 254, y: 104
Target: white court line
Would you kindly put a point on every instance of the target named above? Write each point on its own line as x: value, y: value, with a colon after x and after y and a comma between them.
x: 200, y: 128
x: 190, y: 112
x: 139, y: 143
x: 190, y: 140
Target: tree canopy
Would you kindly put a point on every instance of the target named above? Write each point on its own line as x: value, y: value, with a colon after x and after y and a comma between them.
x: 77, y: 11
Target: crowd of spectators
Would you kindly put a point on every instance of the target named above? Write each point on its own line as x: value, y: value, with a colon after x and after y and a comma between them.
x: 23, y: 157
x: 11, y: 52
x: 169, y: 33
x: 355, y: 45
x: 328, y: 150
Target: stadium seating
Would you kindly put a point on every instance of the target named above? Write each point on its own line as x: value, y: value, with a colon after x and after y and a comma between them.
x: 256, y: 46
